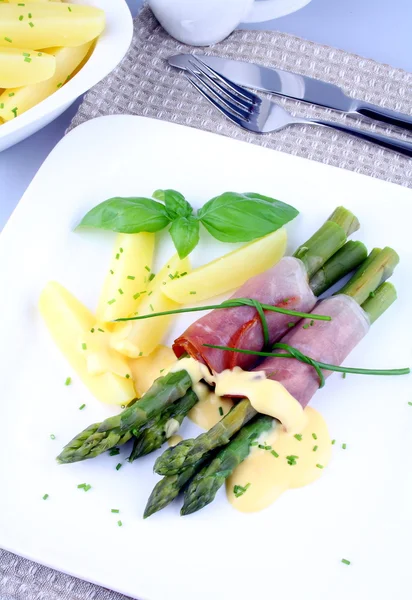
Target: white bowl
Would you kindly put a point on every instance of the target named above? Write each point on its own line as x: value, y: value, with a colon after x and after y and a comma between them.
x: 109, y: 51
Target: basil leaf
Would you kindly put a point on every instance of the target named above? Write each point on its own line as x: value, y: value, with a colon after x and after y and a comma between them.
x: 185, y: 234
x: 175, y: 203
x: 234, y: 217
x: 127, y: 215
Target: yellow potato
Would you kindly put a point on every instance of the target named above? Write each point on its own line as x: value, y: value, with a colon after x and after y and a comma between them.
x: 228, y: 272
x: 140, y: 338
x: 48, y: 24
x: 20, y: 67
x: 129, y: 273
x: 15, y: 101
x: 69, y: 323
x: 148, y: 368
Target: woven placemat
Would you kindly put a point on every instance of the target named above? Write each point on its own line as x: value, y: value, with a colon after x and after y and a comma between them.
x: 144, y: 84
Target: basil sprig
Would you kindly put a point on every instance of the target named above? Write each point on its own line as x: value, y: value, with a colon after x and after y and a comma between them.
x: 230, y: 217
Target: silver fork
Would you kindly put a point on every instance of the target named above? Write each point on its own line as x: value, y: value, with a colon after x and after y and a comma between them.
x: 246, y: 109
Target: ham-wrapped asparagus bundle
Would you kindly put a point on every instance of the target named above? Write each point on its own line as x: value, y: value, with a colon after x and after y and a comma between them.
x: 286, y: 285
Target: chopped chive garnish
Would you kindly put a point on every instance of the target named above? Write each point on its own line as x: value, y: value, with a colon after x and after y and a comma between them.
x: 151, y: 307
x: 117, y: 256
x: 31, y: 24
x: 59, y: 85
x: 315, y: 437
x: 115, y: 510
x: 150, y: 293
x: 45, y: 496
x: 147, y: 268
x: 410, y: 403
x: 120, y: 250
x: 127, y: 376
x: 192, y: 293
x: 82, y: 486
x: 291, y: 324
x: 345, y: 561
x: 69, y: 9
x: 305, y: 326
x: 220, y: 411
x: 111, y: 272
x: 92, y: 330
x: 312, y: 322
x: 120, y: 291
x: 343, y: 375
x: 152, y: 276
x: 262, y: 446
x: 320, y: 466
x: 84, y: 346
x: 333, y: 442
x: 14, y: 111
x: 161, y: 370
x: 111, y: 301
x: 68, y: 381
x: 239, y: 490
x: 275, y: 454
x: 2, y: 105
x: 40, y: 54
x: 298, y: 436
x: 314, y: 448
x: 100, y: 329
x: 114, y: 452
x: 30, y: 16
x: 254, y: 444
x: 171, y: 276
x: 136, y: 296
x: 11, y: 94
x: 21, y: 18
x: 119, y: 523
x: 183, y: 274
x: 372, y: 295
x: 82, y: 406
x: 140, y: 353
x: 118, y: 466
x: 26, y: 53
x: 7, y: 39
x: 343, y: 446
x: 52, y: 436
x: 132, y: 277
x: 291, y: 459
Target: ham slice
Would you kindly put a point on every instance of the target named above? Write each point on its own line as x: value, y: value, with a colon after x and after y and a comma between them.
x: 325, y: 341
x: 284, y: 285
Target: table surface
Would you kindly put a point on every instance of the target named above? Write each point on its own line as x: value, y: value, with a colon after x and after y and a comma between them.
x: 378, y: 30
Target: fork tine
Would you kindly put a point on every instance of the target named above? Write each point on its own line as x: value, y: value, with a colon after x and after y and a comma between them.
x: 240, y: 91
x: 238, y: 111
x: 246, y: 104
x: 212, y: 101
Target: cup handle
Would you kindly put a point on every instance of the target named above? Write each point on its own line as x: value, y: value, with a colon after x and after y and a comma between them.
x: 266, y: 10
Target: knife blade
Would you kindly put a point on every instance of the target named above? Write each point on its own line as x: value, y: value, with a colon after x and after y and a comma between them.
x: 291, y: 85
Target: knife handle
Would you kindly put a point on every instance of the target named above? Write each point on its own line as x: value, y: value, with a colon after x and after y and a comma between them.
x: 379, y: 113
x: 402, y: 146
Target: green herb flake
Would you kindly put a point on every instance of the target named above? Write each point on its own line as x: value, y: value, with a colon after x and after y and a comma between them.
x: 140, y: 354
x: 115, y: 510
x: 11, y: 94
x: 31, y: 24
x: 345, y: 561
x: 7, y: 39
x: 151, y: 307
x: 84, y: 346
x: 84, y: 486
x: 315, y: 437
x: 82, y: 406
x: 120, y: 291
x: 291, y: 324
x: 14, y: 111
x: 26, y: 54
x: 343, y: 375
x: 314, y: 448
x: 320, y: 466
x: 45, y: 496
x: 30, y: 16
x: 52, y: 436
x: 192, y: 293
x: 239, y: 490
x: 101, y: 330
x: 21, y: 18
x: 312, y: 322
x: 333, y: 442
x: 117, y: 256
x: 275, y: 454
x: 68, y: 381
x: 150, y: 293
x: 127, y: 376
x: 298, y: 436
x: 132, y: 277
x: 59, y: 85
x: 343, y: 446
x: 152, y: 276
x: 114, y: 451
x: 119, y: 523
x: 121, y: 250
x: 92, y: 330
x: 136, y: 296
x: 305, y: 326
x: 69, y: 9
x: 147, y: 268
x: 254, y: 444
x: 261, y: 446
x: 291, y: 459
x: 410, y: 403
x: 118, y: 466
x: 220, y: 411
x: 183, y: 274
x: 2, y: 105
x: 112, y: 301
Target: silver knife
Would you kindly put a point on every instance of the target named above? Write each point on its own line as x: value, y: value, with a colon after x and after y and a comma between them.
x: 291, y: 85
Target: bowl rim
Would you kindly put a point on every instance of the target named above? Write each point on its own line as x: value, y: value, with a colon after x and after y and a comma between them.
x: 110, y: 49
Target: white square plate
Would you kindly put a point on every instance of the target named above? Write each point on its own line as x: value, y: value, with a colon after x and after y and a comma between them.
x: 359, y: 510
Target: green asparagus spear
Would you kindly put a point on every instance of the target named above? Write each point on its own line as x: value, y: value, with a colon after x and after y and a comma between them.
x: 327, y: 240
x: 204, y: 486
x: 166, y: 490
x: 348, y: 258
x: 117, y: 430
x: 378, y: 267
x: 151, y: 438
x: 379, y: 301
x: 188, y: 452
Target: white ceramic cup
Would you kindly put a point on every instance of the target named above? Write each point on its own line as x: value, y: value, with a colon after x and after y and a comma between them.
x: 205, y: 22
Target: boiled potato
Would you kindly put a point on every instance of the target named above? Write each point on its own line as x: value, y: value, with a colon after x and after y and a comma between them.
x: 128, y: 275
x: 20, y: 67
x: 70, y: 324
x: 15, y: 101
x: 140, y: 338
x: 49, y: 24
x: 148, y: 368
x: 228, y: 272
